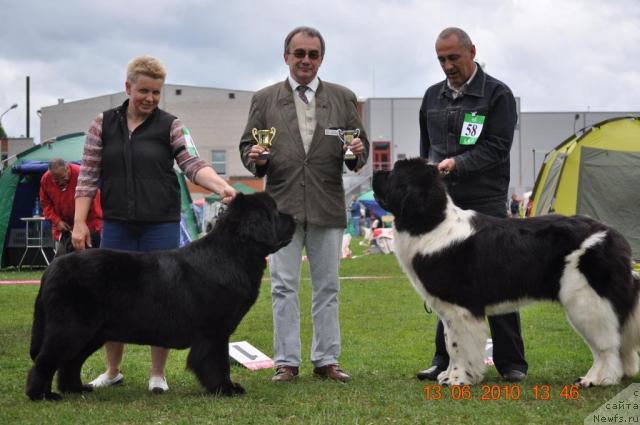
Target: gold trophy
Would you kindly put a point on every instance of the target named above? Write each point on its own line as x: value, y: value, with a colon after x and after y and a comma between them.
x: 264, y: 138
x: 347, y: 136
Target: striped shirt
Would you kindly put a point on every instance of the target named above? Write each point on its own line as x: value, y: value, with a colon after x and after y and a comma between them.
x: 91, y: 167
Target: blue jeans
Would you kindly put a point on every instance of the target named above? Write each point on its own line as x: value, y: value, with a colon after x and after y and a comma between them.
x: 355, y: 223
x: 140, y: 237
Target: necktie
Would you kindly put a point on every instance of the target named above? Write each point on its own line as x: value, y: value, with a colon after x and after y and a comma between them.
x: 302, y: 93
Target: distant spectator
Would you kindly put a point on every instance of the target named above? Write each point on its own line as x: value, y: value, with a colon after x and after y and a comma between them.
x: 375, y: 221
x: 355, y: 215
x: 366, y: 218
x: 514, y: 205
x: 57, y: 198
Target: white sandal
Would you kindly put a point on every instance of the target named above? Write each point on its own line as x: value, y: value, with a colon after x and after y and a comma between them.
x: 104, y: 380
x: 158, y: 384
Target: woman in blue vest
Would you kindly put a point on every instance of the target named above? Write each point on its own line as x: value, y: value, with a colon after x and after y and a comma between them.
x: 131, y: 150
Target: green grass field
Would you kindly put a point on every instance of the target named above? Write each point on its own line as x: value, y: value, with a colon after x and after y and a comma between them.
x: 387, y: 337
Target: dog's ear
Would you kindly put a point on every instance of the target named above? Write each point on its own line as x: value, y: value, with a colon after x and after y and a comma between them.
x: 258, y: 220
x: 415, y: 201
x: 380, y: 184
x: 425, y: 199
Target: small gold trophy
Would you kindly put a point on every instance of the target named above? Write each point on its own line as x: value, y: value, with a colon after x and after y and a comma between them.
x: 264, y: 138
x: 347, y: 136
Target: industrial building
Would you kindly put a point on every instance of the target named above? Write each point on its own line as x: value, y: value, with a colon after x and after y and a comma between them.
x: 216, y: 118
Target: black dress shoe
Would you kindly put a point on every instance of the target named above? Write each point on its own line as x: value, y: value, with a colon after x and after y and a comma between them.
x: 431, y: 374
x: 514, y: 375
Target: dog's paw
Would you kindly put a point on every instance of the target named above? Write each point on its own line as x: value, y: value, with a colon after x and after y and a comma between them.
x: 455, y: 379
x: 583, y: 383
x: 586, y: 382
x: 443, y: 378
x: 35, y: 396
x: 458, y: 376
x: 86, y: 388
x: 51, y: 396
x: 237, y: 389
x: 229, y: 390
x: 473, y: 378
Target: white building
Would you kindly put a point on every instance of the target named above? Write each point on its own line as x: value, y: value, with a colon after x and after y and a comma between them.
x: 11, y: 147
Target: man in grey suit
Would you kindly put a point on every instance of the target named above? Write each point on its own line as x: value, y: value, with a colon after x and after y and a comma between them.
x: 304, y: 175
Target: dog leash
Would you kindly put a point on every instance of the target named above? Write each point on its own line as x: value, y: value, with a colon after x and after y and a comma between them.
x: 427, y: 308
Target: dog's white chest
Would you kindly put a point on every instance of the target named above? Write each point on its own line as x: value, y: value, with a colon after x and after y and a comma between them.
x: 455, y: 227
x: 406, y: 250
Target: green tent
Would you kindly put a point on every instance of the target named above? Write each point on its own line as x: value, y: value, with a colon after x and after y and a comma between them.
x: 367, y: 196
x: 595, y: 173
x: 19, y: 188
x: 240, y: 187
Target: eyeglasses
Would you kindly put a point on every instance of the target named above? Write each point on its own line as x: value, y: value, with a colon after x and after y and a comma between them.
x: 301, y: 53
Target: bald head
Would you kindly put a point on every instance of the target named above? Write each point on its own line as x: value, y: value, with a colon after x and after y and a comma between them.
x: 59, y: 171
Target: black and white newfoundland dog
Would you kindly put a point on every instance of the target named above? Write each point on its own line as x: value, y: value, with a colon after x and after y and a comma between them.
x: 467, y: 265
x: 194, y: 297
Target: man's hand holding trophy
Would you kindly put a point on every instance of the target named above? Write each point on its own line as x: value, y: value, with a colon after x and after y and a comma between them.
x: 260, y: 152
x: 352, y: 144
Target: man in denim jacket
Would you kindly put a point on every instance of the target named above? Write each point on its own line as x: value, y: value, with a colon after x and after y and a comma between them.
x: 466, y: 127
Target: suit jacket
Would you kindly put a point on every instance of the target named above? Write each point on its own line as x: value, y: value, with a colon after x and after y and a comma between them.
x: 306, y: 185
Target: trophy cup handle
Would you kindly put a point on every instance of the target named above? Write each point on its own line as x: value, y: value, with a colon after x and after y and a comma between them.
x: 356, y: 133
x: 254, y: 133
x: 272, y: 132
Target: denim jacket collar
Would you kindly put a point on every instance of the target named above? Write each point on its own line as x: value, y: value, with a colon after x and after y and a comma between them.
x: 476, y: 88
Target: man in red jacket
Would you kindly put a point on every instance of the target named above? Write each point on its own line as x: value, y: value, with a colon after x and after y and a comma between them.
x: 57, y: 198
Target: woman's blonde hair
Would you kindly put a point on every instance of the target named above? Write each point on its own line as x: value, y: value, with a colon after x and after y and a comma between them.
x: 145, y: 65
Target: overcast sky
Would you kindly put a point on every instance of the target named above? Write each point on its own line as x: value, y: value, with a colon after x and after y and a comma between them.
x: 556, y: 55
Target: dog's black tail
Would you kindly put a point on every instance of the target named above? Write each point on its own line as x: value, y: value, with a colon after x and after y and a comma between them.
x: 37, y: 331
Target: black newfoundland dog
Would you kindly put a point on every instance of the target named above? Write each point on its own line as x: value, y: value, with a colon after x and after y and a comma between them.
x: 190, y: 297
x: 467, y: 265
